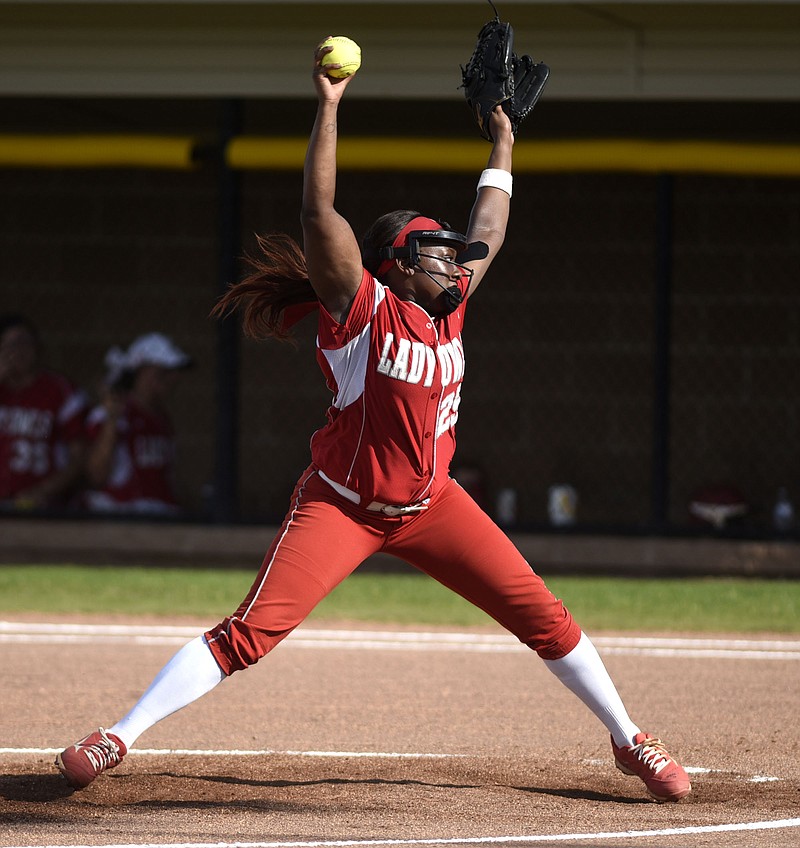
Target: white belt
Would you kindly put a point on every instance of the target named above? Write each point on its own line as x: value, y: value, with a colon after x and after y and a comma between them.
x: 388, y: 509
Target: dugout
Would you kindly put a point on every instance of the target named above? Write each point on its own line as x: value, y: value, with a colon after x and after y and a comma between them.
x: 640, y: 333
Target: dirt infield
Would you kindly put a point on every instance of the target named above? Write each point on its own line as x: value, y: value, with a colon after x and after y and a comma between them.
x: 399, y: 742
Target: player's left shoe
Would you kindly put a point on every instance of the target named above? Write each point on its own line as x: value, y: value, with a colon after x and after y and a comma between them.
x: 648, y: 759
x: 82, y: 762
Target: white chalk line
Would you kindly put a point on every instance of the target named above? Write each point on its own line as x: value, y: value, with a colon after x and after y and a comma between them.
x: 776, y: 824
x: 194, y: 752
x: 403, y: 640
x: 577, y: 837
x: 760, y: 649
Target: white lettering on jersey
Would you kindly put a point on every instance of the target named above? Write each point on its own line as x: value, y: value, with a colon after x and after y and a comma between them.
x: 430, y: 360
x: 152, y: 451
x: 418, y: 360
x: 384, y: 364
x: 399, y: 370
x: 29, y: 457
x: 414, y: 360
x: 448, y: 411
x: 21, y: 421
x: 447, y: 364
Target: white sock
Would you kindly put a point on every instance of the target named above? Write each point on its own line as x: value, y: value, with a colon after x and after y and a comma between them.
x: 582, y: 672
x: 190, y: 674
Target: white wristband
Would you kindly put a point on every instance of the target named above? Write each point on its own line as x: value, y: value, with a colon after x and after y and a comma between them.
x: 496, y: 178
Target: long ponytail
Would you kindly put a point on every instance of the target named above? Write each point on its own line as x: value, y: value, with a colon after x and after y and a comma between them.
x: 278, y: 279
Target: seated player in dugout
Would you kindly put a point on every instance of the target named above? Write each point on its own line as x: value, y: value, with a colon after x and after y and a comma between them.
x: 130, y: 467
x: 41, y: 424
x: 390, y: 316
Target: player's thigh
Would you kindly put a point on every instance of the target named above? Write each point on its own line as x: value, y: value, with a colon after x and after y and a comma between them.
x: 317, y: 546
x: 457, y: 543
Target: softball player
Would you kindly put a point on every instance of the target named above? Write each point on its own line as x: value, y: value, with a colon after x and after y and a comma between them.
x: 41, y: 423
x: 390, y: 346
x: 130, y: 465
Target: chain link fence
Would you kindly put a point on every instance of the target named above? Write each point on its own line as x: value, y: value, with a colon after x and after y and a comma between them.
x: 561, y: 342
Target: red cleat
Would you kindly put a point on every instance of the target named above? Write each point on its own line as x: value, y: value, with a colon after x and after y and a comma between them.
x: 82, y: 762
x: 648, y: 759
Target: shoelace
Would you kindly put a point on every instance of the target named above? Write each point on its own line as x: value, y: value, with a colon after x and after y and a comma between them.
x: 102, y: 754
x: 652, y: 753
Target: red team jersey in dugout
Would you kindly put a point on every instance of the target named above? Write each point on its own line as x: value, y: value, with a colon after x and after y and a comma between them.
x: 396, y: 376
x: 143, y: 465
x: 36, y: 425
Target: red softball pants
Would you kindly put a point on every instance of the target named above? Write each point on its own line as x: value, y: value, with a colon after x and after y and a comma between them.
x: 325, y: 537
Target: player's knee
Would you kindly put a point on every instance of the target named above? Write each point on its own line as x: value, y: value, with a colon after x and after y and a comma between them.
x: 237, y: 645
x: 558, y: 641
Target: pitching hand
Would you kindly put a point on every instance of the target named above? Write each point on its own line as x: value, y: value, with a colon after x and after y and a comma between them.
x: 328, y: 88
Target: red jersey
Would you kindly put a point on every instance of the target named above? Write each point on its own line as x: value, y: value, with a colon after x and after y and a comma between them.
x: 396, y: 376
x: 141, y: 479
x: 37, y: 424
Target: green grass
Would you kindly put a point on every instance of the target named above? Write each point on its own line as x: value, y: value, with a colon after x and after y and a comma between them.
x: 736, y: 605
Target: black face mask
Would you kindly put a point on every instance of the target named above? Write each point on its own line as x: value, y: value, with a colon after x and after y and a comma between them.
x: 453, y: 300
x: 454, y: 297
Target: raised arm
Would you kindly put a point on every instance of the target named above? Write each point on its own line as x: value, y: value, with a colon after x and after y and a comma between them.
x: 331, y: 248
x: 489, y: 217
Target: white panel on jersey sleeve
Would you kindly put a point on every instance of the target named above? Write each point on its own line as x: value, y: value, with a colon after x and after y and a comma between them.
x: 72, y: 406
x: 349, y: 363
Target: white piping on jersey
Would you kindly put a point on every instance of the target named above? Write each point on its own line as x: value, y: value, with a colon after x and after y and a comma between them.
x: 432, y: 476
x: 267, y: 570
x: 360, y: 439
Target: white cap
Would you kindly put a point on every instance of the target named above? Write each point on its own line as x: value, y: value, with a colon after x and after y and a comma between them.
x: 150, y: 349
x: 156, y: 349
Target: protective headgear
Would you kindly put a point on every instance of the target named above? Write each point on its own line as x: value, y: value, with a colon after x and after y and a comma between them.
x: 410, y: 242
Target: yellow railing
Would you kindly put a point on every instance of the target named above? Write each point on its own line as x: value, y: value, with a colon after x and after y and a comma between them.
x: 405, y: 154
x: 96, y: 151
x: 417, y: 154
